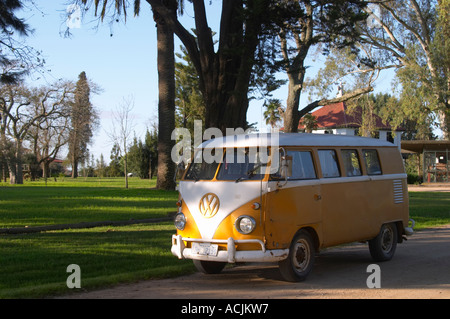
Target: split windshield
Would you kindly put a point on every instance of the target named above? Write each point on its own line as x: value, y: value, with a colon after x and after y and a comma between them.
x: 235, y: 165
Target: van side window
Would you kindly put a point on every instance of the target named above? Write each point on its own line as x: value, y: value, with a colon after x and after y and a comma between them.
x: 351, y: 162
x: 302, y: 165
x: 328, y: 163
x: 372, y: 162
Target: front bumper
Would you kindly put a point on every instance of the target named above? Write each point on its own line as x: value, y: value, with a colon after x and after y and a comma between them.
x: 231, y: 255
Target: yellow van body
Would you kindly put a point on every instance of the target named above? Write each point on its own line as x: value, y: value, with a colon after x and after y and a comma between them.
x: 337, y: 189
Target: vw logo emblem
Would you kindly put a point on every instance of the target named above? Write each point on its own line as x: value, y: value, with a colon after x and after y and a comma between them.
x: 209, y: 205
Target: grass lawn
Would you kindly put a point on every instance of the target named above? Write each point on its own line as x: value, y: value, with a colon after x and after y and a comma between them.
x: 65, y: 202
x: 35, y: 265
x: 429, y: 209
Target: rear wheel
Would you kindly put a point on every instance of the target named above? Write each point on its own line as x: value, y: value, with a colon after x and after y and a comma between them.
x: 382, y: 247
x: 209, y: 267
x: 301, y: 258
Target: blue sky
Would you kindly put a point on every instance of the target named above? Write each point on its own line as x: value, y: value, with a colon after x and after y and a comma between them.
x: 123, y: 64
x: 121, y: 59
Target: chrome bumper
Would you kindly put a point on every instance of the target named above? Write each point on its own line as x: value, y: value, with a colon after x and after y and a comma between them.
x: 231, y: 255
x: 410, y: 229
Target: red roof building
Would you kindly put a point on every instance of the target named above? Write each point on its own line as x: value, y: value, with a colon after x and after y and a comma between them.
x: 338, y: 116
x: 337, y: 119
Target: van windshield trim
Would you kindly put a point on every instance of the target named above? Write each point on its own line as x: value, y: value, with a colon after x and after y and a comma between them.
x: 244, y: 164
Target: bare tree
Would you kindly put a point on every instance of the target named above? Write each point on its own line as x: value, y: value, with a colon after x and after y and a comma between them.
x: 20, y: 111
x: 122, y: 127
x: 50, y: 135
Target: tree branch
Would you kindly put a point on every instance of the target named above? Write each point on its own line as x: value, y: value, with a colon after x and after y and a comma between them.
x: 343, y: 98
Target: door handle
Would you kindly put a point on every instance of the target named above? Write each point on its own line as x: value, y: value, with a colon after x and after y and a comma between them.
x: 317, y: 197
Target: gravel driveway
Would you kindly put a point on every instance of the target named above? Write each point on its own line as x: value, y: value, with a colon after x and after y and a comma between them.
x: 419, y: 269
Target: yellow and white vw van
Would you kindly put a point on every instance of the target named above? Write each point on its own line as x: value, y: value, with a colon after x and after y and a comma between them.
x: 283, y: 197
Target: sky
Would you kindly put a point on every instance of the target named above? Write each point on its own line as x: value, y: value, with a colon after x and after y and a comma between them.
x: 121, y: 59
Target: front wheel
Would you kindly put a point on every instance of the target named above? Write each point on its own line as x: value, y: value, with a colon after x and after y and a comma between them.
x: 209, y: 267
x: 382, y: 247
x: 300, y: 260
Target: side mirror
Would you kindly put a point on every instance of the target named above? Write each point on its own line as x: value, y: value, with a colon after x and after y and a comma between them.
x: 286, y: 166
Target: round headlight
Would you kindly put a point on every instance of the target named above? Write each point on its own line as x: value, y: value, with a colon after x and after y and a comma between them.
x: 245, y: 224
x: 180, y: 221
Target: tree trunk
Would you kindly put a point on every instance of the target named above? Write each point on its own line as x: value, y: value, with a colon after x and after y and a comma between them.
x: 225, y: 75
x: 18, y: 156
x: 74, y: 166
x: 45, y: 169
x: 166, y: 104
x: 291, y: 114
x: 125, y: 169
x: 12, y: 175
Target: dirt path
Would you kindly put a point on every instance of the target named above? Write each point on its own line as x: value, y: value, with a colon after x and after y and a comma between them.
x: 420, y: 269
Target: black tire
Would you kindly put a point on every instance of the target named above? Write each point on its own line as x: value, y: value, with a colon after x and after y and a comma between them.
x: 382, y: 247
x: 300, y: 261
x: 209, y: 267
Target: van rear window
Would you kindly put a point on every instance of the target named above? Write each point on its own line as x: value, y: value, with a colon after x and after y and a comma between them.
x: 372, y: 162
x: 302, y: 165
x: 351, y: 162
x: 328, y: 163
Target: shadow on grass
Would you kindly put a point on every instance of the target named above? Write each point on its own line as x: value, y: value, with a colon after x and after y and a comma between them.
x: 35, y: 265
x: 37, y: 206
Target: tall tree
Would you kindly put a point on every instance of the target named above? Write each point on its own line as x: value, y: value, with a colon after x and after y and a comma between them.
x: 328, y: 23
x: 122, y: 127
x: 151, y: 151
x: 83, y: 120
x: 273, y: 112
x: 115, y: 169
x: 50, y: 135
x: 166, y: 82
x: 21, y: 110
x: 225, y: 72
x: 100, y: 167
x: 413, y: 34
x: 166, y: 101
x: 189, y: 101
x: 224, y: 68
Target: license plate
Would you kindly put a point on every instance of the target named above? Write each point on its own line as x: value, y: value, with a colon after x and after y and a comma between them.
x: 205, y: 249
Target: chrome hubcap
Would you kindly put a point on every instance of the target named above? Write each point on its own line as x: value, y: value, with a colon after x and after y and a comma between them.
x: 387, y: 239
x: 301, y: 255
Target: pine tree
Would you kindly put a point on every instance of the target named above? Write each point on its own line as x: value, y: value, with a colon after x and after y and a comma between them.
x: 83, y: 123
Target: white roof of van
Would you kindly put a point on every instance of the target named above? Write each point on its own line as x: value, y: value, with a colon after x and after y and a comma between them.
x: 292, y: 139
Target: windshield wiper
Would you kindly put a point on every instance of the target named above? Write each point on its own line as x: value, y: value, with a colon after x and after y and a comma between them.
x: 240, y: 178
x: 252, y: 171
x: 194, y: 175
x: 249, y: 173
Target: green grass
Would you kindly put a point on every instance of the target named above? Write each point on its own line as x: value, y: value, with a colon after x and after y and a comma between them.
x: 110, y: 182
x: 429, y: 209
x: 34, y: 204
x: 34, y: 265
